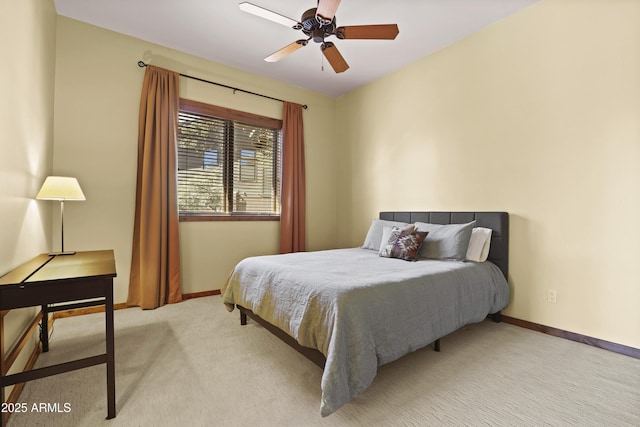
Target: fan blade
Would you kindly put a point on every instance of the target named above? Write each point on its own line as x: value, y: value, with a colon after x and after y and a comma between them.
x: 288, y: 49
x: 327, y: 9
x: 378, y: 32
x: 334, y: 57
x: 267, y: 14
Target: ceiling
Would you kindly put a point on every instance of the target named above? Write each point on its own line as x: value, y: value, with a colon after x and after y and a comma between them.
x: 219, y: 31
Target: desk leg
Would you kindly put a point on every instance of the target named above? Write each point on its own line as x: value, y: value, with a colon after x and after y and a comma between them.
x: 4, y: 417
x: 111, y: 364
x: 44, y: 332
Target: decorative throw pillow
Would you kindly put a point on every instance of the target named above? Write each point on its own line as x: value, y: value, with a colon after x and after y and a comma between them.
x: 374, y: 235
x: 446, y: 241
x: 404, y: 244
x: 386, y: 234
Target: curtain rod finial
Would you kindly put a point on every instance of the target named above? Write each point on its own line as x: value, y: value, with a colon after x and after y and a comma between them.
x: 141, y: 64
x: 305, y: 106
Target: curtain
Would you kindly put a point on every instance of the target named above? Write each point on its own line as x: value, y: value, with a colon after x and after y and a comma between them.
x: 292, y: 215
x: 155, y: 260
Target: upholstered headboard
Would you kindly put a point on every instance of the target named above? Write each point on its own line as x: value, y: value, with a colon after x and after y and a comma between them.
x: 497, y: 221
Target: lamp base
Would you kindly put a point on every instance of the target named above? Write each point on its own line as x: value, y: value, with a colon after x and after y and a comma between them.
x: 62, y: 253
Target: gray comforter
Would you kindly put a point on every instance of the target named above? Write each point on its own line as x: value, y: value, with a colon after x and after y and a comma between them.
x: 361, y: 310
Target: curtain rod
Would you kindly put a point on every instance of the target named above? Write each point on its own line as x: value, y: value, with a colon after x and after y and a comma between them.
x: 141, y: 64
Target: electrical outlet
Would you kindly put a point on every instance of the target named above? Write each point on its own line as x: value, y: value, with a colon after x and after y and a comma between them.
x: 552, y: 296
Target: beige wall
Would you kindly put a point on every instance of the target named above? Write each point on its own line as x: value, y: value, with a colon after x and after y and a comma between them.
x: 98, y: 85
x: 27, y: 31
x: 537, y: 115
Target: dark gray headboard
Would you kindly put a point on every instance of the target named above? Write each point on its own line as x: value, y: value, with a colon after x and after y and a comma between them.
x: 497, y: 221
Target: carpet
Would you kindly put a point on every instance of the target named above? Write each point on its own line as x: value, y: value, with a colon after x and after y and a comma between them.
x: 192, y: 364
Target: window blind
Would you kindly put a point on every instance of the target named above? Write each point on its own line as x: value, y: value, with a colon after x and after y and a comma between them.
x: 227, y: 167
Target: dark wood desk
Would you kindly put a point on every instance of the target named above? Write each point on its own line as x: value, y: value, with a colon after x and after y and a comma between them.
x: 58, y: 279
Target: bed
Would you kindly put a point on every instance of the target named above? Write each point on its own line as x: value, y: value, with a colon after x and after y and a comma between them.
x: 352, y: 310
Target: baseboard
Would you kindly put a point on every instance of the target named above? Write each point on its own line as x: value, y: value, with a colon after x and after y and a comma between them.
x: 200, y: 294
x: 31, y: 362
x: 87, y: 310
x: 17, y: 389
x: 584, y: 339
x: 120, y: 306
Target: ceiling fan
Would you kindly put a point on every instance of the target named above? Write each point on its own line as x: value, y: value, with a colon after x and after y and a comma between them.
x: 319, y: 23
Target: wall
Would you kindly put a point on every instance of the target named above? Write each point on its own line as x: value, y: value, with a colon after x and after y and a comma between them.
x: 98, y: 85
x: 537, y: 115
x: 27, y: 29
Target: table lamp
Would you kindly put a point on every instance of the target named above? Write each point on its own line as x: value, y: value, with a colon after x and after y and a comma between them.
x: 61, y: 188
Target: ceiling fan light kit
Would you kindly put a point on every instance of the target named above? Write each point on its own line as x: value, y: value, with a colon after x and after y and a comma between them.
x: 318, y: 24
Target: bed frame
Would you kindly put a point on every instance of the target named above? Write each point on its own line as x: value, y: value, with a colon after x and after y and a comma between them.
x: 498, y: 254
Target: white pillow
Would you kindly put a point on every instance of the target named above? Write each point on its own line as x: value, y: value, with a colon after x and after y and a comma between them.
x: 374, y: 235
x: 479, y: 244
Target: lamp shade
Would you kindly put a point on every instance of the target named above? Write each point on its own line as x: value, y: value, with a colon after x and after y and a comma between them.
x: 60, y: 188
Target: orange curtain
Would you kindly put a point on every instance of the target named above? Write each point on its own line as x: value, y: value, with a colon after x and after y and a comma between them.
x: 155, y: 259
x: 292, y: 215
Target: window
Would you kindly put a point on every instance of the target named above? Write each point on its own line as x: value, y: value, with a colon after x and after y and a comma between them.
x: 228, y: 164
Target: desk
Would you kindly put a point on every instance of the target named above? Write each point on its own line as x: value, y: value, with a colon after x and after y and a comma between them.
x: 56, y: 279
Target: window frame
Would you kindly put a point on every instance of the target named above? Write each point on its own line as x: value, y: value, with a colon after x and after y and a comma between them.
x: 224, y: 113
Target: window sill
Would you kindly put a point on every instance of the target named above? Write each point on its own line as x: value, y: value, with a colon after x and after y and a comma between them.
x: 227, y: 217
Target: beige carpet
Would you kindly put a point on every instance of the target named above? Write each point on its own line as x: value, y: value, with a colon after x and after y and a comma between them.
x: 192, y: 364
